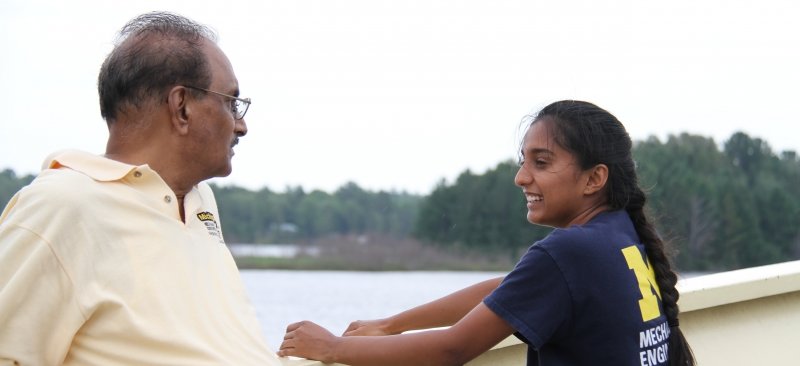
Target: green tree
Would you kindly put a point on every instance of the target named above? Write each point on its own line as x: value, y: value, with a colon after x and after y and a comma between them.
x: 722, y: 209
x: 268, y: 217
x: 484, y: 212
x: 681, y: 199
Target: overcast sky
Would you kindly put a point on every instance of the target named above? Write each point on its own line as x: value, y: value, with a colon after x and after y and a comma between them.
x: 397, y: 95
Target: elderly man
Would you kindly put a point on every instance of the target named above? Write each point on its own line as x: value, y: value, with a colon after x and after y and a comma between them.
x: 120, y: 259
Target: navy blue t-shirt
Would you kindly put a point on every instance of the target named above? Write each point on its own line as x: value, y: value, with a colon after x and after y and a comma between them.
x: 585, y: 295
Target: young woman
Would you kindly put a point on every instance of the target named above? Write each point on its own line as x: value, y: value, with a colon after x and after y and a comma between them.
x: 598, y: 290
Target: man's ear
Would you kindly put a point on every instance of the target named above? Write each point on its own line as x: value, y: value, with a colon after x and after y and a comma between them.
x: 178, y: 102
x: 597, y: 178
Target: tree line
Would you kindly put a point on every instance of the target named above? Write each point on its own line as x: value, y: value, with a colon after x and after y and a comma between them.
x: 720, y: 207
x: 265, y: 216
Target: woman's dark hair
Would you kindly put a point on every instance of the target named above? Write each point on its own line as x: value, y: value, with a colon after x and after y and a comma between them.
x: 594, y: 136
x: 153, y: 52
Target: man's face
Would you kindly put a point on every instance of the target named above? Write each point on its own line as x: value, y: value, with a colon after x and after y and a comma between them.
x: 215, y: 130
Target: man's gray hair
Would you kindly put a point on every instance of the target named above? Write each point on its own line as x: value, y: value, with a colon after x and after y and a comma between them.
x: 152, y: 53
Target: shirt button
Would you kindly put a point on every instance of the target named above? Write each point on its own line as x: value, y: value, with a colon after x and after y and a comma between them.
x: 167, y: 199
x: 137, y: 174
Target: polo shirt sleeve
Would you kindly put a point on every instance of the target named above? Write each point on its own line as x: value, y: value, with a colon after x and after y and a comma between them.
x: 534, y: 298
x: 39, y: 313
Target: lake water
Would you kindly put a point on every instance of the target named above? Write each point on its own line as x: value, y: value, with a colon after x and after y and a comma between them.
x: 335, y: 298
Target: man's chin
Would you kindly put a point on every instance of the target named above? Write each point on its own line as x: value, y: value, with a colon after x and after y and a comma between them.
x: 222, y: 172
x: 226, y: 172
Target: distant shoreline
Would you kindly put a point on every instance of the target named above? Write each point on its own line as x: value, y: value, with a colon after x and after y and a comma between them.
x: 307, y: 263
x: 378, y: 255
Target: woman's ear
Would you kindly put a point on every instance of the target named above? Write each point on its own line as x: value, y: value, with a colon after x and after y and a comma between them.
x: 178, y: 102
x: 597, y: 178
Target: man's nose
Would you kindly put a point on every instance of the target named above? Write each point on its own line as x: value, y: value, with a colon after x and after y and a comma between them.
x: 240, y: 128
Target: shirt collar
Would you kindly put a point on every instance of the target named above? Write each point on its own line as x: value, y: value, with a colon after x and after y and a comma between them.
x: 97, y: 167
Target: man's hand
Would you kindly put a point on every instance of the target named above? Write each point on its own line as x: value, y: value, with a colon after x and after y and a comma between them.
x: 309, y: 340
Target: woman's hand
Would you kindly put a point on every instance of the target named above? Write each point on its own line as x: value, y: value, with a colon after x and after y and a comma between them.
x: 378, y: 327
x: 308, y: 340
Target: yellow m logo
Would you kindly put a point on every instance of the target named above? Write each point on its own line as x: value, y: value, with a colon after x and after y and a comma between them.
x: 647, y: 283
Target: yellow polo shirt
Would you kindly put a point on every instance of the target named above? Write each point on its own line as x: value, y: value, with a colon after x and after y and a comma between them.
x: 96, y: 268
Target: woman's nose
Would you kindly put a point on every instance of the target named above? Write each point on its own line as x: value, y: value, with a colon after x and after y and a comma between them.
x: 523, y: 177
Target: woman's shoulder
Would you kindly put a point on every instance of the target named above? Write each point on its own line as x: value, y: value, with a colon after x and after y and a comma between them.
x: 611, y: 226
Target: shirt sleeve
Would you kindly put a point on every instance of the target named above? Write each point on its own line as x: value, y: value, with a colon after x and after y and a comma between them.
x: 534, y: 298
x: 39, y: 313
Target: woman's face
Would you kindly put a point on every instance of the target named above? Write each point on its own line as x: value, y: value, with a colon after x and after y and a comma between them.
x: 553, y: 183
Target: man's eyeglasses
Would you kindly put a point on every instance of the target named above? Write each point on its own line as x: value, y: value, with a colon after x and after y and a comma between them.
x: 239, y: 106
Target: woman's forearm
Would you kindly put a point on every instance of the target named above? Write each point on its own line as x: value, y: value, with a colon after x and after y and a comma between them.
x: 444, y: 311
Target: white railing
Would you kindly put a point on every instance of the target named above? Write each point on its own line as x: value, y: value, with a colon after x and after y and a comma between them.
x: 745, y: 317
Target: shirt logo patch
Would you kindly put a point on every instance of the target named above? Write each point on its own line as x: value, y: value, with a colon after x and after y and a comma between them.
x: 207, y: 218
